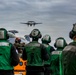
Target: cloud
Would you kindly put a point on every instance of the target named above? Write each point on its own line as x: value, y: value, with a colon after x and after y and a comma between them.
x: 37, y: 4
x: 54, y: 10
x: 56, y: 15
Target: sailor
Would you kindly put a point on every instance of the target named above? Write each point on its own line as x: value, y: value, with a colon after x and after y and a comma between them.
x: 8, y: 55
x: 35, y: 54
x: 45, y: 41
x: 19, y: 46
x: 56, y: 56
x: 69, y: 54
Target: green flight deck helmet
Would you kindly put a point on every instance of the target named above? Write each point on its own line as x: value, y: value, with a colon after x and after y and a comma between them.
x: 46, y: 39
x: 60, y: 43
x: 3, y: 34
x: 35, y: 33
x: 72, y: 33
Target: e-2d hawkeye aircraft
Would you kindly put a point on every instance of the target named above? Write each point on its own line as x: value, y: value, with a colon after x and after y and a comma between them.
x: 31, y: 23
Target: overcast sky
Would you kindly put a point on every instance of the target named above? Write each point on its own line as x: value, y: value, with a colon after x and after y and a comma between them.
x: 57, y: 16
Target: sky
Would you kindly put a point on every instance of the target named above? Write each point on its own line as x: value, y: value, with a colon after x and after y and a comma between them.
x: 57, y: 16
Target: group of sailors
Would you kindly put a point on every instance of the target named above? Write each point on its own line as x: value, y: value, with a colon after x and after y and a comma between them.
x: 42, y: 58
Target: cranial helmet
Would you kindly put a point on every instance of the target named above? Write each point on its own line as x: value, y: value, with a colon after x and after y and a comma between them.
x: 35, y: 33
x: 3, y: 34
x: 46, y: 39
x: 72, y: 33
x: 60, y: 42
x: 18, y: 40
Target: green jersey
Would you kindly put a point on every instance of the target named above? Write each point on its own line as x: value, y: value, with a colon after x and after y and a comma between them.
x: 5, y: 60
x: 35, y: 54
x: 56, y: 65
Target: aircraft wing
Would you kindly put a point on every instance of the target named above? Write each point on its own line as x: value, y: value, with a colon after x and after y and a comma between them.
x: 38, y: 23
x: 24, y: 23
x: 13, y: 31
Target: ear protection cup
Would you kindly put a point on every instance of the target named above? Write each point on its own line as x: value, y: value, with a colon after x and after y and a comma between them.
x: 55, y: 45
x: 7, y: 36
x: 35, y: 33
x: 72, y: 34
x: 39, y: 36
